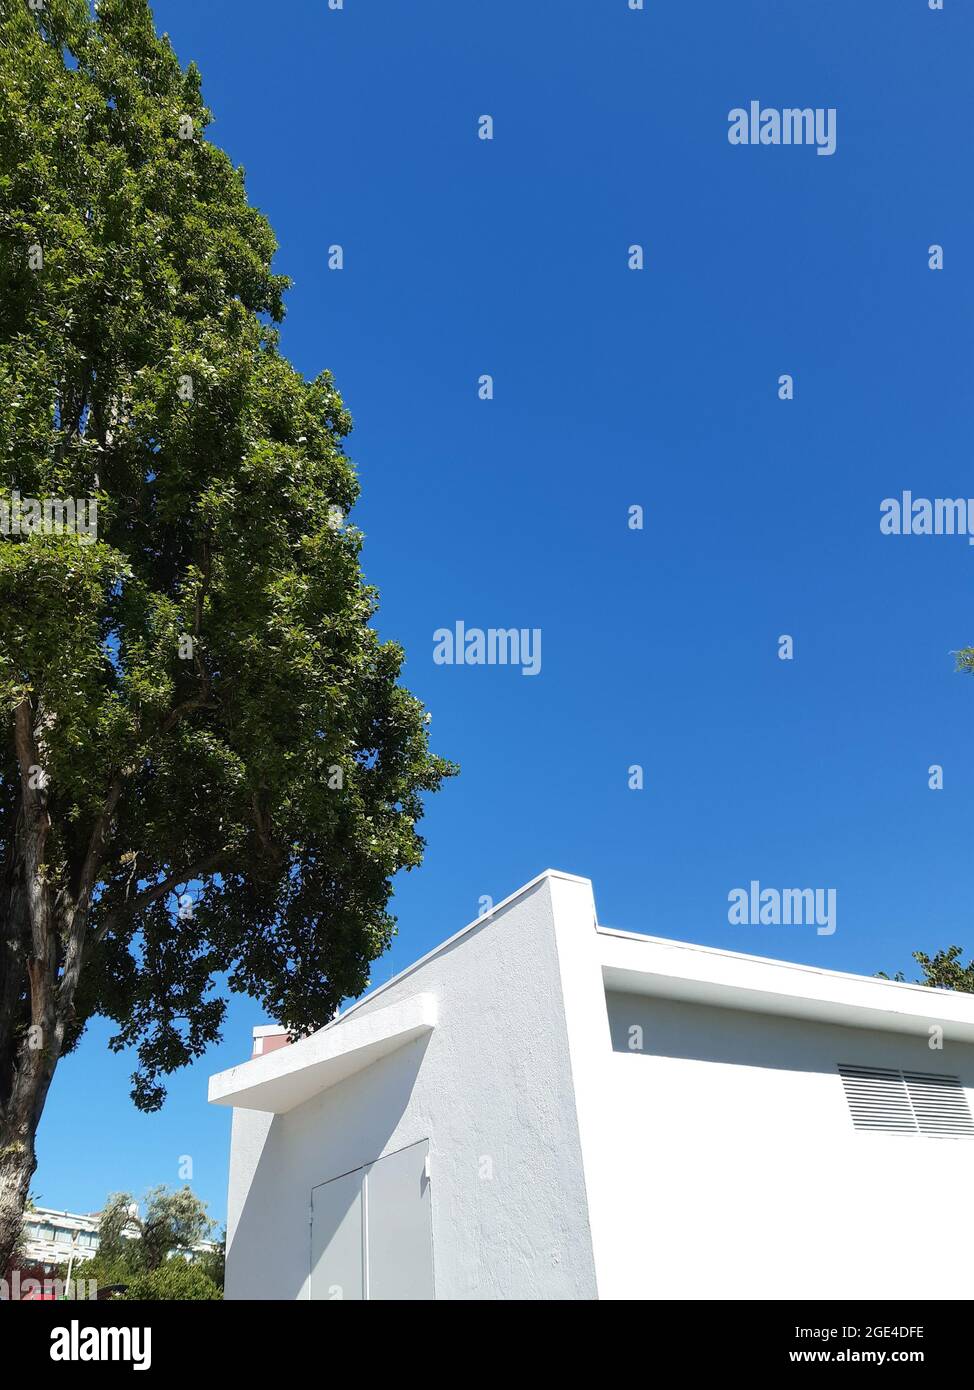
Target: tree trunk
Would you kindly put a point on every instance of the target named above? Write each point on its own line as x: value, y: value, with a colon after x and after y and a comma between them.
x: 30, y: 1045
x: 42, y: 950
x: 18, y: 1161
x: 19, y: 1119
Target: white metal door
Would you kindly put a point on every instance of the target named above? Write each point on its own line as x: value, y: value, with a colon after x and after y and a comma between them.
x: 372, y: 1230
x: 399, y: 1226
x: 337, y: 1254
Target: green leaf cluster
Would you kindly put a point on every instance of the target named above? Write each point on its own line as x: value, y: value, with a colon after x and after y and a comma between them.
x: 207, y: 666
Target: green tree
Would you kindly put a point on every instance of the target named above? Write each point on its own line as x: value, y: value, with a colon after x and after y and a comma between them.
x: 944, y: 970
x: 208, y: 767
x: 176, y: 1279
x: 115, y: 1247
x: 174, y: 1222
x: 213, y: 1262
x: 100, y: 1270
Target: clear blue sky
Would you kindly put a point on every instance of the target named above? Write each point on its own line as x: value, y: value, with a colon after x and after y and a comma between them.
x: 614, y: 388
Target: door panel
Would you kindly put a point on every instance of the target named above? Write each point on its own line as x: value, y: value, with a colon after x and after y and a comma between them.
x: 399, y: 1226
x: 372, y: 1231
x: 337, y: 1266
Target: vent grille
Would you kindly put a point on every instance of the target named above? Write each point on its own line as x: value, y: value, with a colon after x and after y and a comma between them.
x: 939, y: 1103
x: 877, y: 1098
x: 906, y: 1102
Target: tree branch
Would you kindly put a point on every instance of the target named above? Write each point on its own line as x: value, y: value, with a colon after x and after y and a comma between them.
x: 36, y: 830
x: 77, y: 923
x: 200, y: 869
x: 174, y: 715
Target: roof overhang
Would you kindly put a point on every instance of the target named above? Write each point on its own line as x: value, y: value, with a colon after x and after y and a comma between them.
x: 724, y: 979
x: 281, y: 1080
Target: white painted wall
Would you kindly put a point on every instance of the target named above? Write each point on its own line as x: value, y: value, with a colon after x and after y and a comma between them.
x: 718, y: 1162
x: 490, y: 1088
x: 727, y: 1165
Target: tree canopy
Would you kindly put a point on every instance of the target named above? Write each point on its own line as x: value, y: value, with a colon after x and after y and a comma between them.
x: 173, y: 1223
x: 943, y: 970
x: 209, y: 771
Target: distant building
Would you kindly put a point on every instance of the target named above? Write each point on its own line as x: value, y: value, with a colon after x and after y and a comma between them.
x: 52, y: 1238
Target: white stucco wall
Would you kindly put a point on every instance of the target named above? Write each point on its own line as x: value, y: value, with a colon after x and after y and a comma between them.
x: 726, y: 1164
x: 720, y: 1161
x: 490, y: 1088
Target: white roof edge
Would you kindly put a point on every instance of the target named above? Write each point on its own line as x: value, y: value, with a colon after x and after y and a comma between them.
x: 31, y: 1212
x: 936, y: 1002
x: 667, y: 970
x: 793, y: 969
x: 471, y: 926
x: 278, y: 1081
x: 796, y: 966
x: 275, y: 1029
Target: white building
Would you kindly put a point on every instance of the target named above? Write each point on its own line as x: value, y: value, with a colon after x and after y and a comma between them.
x: 545, y: 1108
x: 53, y: 1237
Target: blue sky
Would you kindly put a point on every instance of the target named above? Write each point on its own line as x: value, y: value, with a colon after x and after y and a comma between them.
x: 615, y: 388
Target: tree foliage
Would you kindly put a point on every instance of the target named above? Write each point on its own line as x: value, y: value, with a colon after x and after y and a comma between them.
x: 944, y: 970
x: 174, y: 1280
x: 209, y: 771
x: 214, y: 523
x: 173, y: 1223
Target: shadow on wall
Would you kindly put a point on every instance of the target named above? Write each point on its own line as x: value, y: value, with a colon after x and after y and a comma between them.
x: 652, y: 1027
x: 344, y: 1128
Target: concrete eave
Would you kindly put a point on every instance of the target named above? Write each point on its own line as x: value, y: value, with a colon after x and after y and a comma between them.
x: 677, y: 970
x: 279, y: 1081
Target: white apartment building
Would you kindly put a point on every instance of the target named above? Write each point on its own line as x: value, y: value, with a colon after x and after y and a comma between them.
x: 52, y: 1237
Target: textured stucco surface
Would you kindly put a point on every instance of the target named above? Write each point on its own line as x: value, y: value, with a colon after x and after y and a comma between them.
x: 716, y: 1161
x: 728, y: 1165
x: 490, y: 1088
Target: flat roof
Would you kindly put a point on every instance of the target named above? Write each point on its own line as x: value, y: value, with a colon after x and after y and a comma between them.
x: 730, y: 979
x: 630, y: 962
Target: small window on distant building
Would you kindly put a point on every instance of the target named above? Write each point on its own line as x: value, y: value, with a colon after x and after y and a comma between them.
x: 906, y: 1102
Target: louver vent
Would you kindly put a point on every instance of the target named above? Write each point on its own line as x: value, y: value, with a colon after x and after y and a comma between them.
x: 906, y: 1102
x: 939, y: 1104
x: 877, y: 1098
